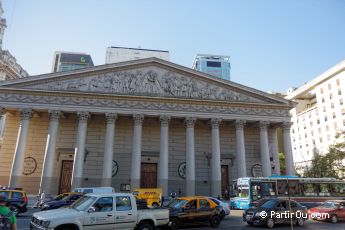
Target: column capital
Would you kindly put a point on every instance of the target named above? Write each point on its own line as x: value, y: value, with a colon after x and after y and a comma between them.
x: 287, y: 125
x: 215, y: 122
x: 54, y: 115
x: 138, y: 119
x: 110, y: 117
x: 240, y: 124
x: 25, y: 114
x: 263, y: 125
x: 190, y: 121
x: 164, y: 119
x: 83, y: 116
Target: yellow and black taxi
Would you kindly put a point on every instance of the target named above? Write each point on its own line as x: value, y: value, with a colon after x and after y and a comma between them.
x: 62, y: 200
x: 194, y: 209
x: 16, y: 199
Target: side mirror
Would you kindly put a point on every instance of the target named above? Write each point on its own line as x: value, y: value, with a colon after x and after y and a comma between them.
x: 91, y: 210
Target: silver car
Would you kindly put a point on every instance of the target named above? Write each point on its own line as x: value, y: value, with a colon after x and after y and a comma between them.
x: 225, y: 206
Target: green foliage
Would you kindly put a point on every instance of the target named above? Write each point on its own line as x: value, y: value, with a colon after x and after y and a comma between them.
x: 330, y: 164
x: 282, y: 163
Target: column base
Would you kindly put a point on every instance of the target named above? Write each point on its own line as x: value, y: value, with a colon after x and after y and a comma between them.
x: 76, y: 182
x: 15, y: 182
x: 163, y: 184
x: 190, y: 187
x: 216, y: 188
x: 106, y: 182
x: 135, y: 183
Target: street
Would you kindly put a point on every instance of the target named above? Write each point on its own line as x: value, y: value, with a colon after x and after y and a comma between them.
x: 233, y: 222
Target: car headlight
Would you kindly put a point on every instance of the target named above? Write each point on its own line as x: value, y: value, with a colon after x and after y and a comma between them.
x: 257, y: 214
x: 45, y: 223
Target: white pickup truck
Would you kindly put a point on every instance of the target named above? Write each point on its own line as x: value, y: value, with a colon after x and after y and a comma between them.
x: 101, y: 211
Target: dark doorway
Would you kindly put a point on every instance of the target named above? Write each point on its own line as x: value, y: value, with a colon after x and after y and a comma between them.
x: 148, y: 175
x: 66, y: 176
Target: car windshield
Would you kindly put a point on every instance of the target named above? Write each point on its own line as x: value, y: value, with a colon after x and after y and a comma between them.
x: 83, y: 203
x: 176, y: 203
x: 329, y: 204
x: 68, y: 197
x: 267, y: 204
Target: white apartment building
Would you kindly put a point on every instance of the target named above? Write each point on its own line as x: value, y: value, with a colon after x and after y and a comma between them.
x: 319, y: 113
x: 122, y: 54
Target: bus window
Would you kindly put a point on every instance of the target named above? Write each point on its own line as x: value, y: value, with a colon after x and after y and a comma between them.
x: 294, y: 188
x: 324, y: 190
x: 309, y: 190
x: 242, y: 192
x: 256, y: 191
x: 338, y: 189
x: 282, y: 187
x: 268, y: 189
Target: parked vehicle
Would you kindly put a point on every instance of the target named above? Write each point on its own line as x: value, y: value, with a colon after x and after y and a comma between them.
x: 309, y: 192
x: 65, y: 201
x: 101, y: 211
x: 194, y: 209
x: 153, y: 196
x: 225, y: 206
x: 331, y: 210
x: 16, y: 199
x: 276, y: 211
x: 95, y: 190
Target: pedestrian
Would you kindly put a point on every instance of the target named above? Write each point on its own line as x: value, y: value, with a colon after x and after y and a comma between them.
x: 7, y: 217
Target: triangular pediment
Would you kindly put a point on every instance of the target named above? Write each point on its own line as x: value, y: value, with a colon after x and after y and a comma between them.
x: 147, y: 77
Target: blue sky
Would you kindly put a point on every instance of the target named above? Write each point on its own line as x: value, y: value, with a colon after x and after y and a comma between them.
x: 273, y: 45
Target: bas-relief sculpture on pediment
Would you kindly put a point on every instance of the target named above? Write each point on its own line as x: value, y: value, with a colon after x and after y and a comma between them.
x: 148, y: 82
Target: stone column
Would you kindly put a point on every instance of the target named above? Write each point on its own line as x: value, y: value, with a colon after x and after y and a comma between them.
x: 49, y: 156
x: 19, y: 153
x: 190, y: 156
x: 275, y: 151
x: 79, y: 154
x: 241, y: 150
x: 108, y: 150
x: 265, y: 151
x: 290, y: 169
x: 136, y: 154
x: 163, y: 173
x: 2, y: 121
x: 216, y: 174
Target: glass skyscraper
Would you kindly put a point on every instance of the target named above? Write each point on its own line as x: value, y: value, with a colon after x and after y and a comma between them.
x: 215, y: 65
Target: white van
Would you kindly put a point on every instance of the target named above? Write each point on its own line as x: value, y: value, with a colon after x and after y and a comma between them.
x: 95, y: 190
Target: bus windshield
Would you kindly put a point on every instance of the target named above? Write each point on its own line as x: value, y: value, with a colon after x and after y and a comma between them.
x: 242, y: 192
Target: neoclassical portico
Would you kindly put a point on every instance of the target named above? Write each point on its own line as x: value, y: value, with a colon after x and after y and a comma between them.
x: 140, y: 123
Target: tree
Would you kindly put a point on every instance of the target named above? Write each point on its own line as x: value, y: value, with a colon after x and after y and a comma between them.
x: 282, y: 163
x: 331, y: 164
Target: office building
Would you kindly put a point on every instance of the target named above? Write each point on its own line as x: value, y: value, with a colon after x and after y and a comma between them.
x: 215, y: 65
x: 121, y: 54
x: 66, y: 61
x: 319, y: 113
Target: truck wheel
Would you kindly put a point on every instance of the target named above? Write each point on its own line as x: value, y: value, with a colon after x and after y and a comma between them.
x: 215, y: 221
x: 175, y: 223
x: 270, y: 222
x: 145, y: 226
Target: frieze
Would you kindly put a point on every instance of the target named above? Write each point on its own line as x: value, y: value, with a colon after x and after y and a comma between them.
x: 62, y: 101
x: 153, y: 82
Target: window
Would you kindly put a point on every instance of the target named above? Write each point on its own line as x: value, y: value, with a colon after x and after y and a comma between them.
x: 338, y: 190
x: 329, y: 86
x: 294, y: 188
x: 123, y: 203
x: 191, y: 204
x: 323, y: 100
x: 309, y: 189
x: 324, y: 190
x: 214, y: 64
x: 326, y: 119
x: 330, y: 96
x: 17, y: 195
x: 320, y: 140
x: 339, y: 91
x: 338, y: 81
x: 334, y: 116
x: 104, y: 204
x: 321, y: 90
x: 341, y: 102
x: 324, y: 109
x: 282, y: 187
x: 204, y: 204
x: 332, y: 105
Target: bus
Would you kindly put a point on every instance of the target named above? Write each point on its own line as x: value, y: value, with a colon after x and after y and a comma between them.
x: 310, y: 192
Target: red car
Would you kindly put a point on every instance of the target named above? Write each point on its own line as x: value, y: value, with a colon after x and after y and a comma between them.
x: 330, y: 210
